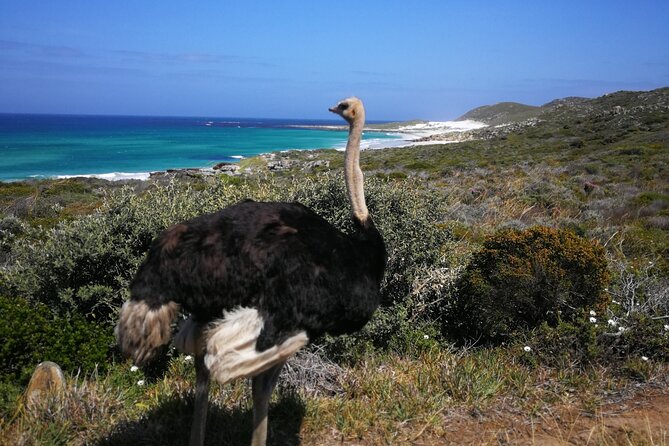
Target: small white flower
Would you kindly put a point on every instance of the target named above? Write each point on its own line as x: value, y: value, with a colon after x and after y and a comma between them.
x: 593, y: 319
x: 527, y: 348
x: 612, y: 323
x: 666, y: 327
x: 188, y: 358
x: 140, y: 382
x: 622, y: 329
x: 426, y: 337
x: 644, y: 358
x: 592, y: 313
x: 134, y: 368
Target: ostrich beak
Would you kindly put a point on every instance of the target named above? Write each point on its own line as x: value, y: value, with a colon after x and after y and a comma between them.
x: 333, y: 109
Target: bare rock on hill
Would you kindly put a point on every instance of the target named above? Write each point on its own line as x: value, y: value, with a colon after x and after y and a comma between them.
x: 229, y: 168
x: 281, y: 164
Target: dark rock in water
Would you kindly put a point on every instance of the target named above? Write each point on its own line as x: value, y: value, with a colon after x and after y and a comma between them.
x: 47, y: 379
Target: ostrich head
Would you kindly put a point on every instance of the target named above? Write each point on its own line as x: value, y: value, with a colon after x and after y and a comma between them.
x: 349, y: 109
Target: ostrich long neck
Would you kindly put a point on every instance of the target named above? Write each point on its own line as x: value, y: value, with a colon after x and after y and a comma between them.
x: 352, y: 172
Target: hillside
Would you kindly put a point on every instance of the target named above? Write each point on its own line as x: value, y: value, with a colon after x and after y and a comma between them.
x: 501, y: 113
x: 627, y: 105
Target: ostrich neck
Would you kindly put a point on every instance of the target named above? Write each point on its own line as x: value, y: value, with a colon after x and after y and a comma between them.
x: 352, y: 172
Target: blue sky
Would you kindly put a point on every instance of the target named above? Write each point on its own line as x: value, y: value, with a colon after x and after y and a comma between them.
x: 424, y: 59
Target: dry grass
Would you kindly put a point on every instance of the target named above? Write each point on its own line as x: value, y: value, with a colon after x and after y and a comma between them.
x: 442, y: 397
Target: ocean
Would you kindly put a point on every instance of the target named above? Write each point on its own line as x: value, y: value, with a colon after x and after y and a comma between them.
x: 114, y: 147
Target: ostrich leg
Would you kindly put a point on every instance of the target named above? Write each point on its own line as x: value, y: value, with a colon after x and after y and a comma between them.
x: 263, y: 385
x: 201, y: 402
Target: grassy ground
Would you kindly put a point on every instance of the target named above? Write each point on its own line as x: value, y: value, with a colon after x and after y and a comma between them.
x: 438, y: 397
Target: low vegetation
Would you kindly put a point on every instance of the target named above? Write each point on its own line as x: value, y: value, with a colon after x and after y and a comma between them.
x: 527, y: 280
x: 520, y: 279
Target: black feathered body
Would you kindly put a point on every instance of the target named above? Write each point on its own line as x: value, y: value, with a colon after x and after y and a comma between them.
x: 283, y: 259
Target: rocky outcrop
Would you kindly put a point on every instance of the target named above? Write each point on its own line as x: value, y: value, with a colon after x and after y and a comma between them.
x: 228, y: 168
x: 46, y: 380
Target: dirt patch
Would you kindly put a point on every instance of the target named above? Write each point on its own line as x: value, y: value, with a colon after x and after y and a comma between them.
x: 640, y: 420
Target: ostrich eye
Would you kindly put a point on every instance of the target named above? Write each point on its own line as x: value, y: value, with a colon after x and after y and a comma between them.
x: 343, y: 106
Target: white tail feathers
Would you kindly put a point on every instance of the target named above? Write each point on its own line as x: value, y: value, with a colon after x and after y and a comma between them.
x: 231, y: 346
x: 141, y: 330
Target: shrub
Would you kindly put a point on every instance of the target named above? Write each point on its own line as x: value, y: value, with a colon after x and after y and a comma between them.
x: 31, y: 334
x: 522, y: 278
x: 642, y: 336
x: 10, y: 229
x: 83, y: 266
x: 565, y: 345
x: 408, y: 216
x: 582, y: 342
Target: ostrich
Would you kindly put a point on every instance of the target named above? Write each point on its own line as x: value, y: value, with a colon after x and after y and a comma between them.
x: 259, y: 280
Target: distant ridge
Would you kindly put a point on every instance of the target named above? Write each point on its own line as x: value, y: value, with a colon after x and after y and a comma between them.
x: 620, y: 102
x: 501, y: 113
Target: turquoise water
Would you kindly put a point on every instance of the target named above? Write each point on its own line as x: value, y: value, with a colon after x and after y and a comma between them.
x: 33, y: 146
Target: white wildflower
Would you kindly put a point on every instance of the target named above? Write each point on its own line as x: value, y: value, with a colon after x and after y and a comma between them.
x: 666, y: 327
x: 644, y: 358
x: 592, y: 313
x: 426, y: 337
x: 140, y: 382
x: 622, y: 329
x: 188, y: 358
x: 134, y: 368
x: 612, y: 322
x: 527, y: 348
x: 593, y: 319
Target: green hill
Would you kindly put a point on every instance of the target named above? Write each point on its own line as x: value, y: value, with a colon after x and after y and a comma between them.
x: 501, y: 113
x: 641, y: 107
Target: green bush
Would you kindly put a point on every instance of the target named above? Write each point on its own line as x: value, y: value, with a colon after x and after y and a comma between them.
x: 83, y: 266
x: 582, y: 342
x: 643, y: 336
x: 31, y: 334
x: 566, y: 344
x: 408, y: 216
x: 522, y: 278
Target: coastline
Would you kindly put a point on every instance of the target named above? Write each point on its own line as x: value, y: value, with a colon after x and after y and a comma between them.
x: 410, y: 133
